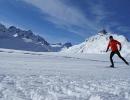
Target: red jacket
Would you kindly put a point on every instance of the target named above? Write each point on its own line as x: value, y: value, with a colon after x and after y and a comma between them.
x: 114, y: 45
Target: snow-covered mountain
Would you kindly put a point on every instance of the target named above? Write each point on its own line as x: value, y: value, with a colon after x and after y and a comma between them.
x: 97, y: 44
x: 15, y: 38
x: 59, y: 46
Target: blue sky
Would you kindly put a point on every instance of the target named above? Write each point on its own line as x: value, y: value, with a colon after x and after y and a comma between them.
x: 67, y: 20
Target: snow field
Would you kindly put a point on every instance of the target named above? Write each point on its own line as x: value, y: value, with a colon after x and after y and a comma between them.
x: 56, y: 76
x: 61, y: 87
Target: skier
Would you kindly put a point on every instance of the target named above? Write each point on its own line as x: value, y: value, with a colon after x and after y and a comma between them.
x: 113, y: 44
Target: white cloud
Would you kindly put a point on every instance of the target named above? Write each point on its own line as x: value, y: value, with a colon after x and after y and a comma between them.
x: 100, y: 12
x: 63, y: 15
x: 73, y: 19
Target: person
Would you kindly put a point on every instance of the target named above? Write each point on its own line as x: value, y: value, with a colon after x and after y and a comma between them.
x: 113, y: 44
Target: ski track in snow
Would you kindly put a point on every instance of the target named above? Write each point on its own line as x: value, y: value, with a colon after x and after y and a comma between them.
x: 64, y: 56
x: 18, y: 82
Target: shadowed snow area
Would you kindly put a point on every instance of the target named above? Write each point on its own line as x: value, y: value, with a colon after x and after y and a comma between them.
x: 57, y: 76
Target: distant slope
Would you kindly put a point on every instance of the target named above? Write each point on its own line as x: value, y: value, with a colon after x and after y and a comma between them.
x: 97, y: 44
x: 59, y: 46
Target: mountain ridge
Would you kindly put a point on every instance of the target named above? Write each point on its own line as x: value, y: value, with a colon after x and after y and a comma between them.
x: 97, y: 44
x: 16, y: 38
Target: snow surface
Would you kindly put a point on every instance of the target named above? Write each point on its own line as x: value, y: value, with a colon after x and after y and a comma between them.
x: 59, y: 76
x: 27, y: 40
x: 15, y: 35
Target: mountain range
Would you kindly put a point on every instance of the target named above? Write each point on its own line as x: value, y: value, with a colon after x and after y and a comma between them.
x: 15, y: 38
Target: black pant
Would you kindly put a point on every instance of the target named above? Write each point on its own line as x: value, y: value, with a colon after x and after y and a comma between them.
x: 118, y: 53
